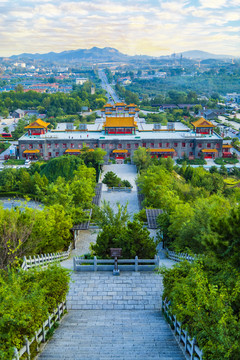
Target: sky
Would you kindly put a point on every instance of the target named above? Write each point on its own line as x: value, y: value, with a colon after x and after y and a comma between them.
x: 143, y: 27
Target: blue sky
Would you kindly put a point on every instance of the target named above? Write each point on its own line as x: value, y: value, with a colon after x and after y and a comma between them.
x: 151, y: 27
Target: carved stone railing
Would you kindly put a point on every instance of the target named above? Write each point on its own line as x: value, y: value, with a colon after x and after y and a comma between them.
x: 80, y: 264
x: 127, y: 189
x: 44, y: 259
x: 180, y: 256
x: 189, y: 344
x: 40, y: 335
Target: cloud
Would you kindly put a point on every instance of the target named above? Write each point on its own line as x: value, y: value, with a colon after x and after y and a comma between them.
x: 153, y: 27
x: 213, y: 4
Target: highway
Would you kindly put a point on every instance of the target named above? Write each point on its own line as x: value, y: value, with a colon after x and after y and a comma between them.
x: 111, y: 94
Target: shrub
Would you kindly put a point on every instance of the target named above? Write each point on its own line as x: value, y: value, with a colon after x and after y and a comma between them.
x: 126, y: 183
x: 207, y: 308
x: 191, y: 162
x: 26, y: 299
x: 223, y: 161
x: 111, y: 179
x: 133, y: 239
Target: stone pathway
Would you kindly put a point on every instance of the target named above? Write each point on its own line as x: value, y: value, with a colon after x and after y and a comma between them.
x: 103, y: 291
x: 83, y: 241
x: 113, y: 318
x: 113, y: 335
x: 125, y: 172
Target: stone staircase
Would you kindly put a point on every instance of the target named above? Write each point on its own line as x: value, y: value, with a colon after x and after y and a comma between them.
x: 113, y: 318
x: 103, y: 291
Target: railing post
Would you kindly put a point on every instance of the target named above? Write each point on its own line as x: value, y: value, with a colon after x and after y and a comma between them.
x: 24, y: 261
x: 95, y: 263
x: 16, y: 355
x: 35, y: 260
x: 192, y: 349
x: 43, y: 333
x: 49, y: 322
x: 58, y: 313
x: 180, y: 331
x: 186, y: 340
x: 136, y: 263
x: 27, y: 348
x: 74, y: 264
x: 157, y: 261
x: 175, y: 324
x: 36, y: 339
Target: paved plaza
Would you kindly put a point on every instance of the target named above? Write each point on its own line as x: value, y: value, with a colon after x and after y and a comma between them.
x: 125, y: 172
x: 103, y: 291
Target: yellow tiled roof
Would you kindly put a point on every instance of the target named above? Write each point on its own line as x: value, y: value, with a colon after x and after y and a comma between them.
x: 209, y: 150
x: 161, y: 150
x: 31, y: 151
x: 107, y: 105
x: 120, y: 121
x: 202, y: 123
x: 120, y: 104
x: 131, y: 105
x: 72, y: 151
x: 120, y: 151
x: 69, y: 151
x: 38, y: 124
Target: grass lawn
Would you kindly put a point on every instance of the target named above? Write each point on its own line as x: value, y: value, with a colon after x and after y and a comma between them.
x: 224, y: 161
x: 14, y: 162
x: 191, y: 162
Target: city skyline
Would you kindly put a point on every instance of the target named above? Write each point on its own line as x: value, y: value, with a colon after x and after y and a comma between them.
x: 141, y: 27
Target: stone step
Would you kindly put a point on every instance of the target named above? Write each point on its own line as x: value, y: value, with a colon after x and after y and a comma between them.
x: 108, y: 335
x: 103, y: 291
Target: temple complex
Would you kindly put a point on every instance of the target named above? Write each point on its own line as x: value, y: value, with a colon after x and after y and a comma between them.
x: 38, y: 127
x: 120, y: 132
x: 203, y: 126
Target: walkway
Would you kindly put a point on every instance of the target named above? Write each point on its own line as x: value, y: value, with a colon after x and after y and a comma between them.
x: 125, y: 172
x: 113, y: 318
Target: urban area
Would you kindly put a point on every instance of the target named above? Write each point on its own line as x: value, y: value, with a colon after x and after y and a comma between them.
x: 120, y: 216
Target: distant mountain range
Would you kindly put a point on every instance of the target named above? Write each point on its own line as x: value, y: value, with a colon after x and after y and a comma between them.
x: 109, y: 54
x: 93, y: 54
x: 201, y: 55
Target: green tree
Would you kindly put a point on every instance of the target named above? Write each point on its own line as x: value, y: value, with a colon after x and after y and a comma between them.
x: 111, y: 179
x: 133, y: 239
x: 6, y: 129
x: 19, y: 88
x: 105, y: 215
x: 141, y: 158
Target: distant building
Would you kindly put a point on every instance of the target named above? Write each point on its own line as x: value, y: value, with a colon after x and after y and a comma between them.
x: 226, y: 153
x: 23, y: 65
x: 81, y: 81
x: 92, y: 90
x: 234, y: 97
x: 18, y: 114
x: 211, y: 114
x: 120, y: 134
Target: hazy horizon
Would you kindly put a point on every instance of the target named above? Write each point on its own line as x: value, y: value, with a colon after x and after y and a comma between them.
x: 140, y: 27
x: 125, y: 53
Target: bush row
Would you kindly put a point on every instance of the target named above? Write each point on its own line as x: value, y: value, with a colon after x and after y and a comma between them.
x: 26, y: 300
